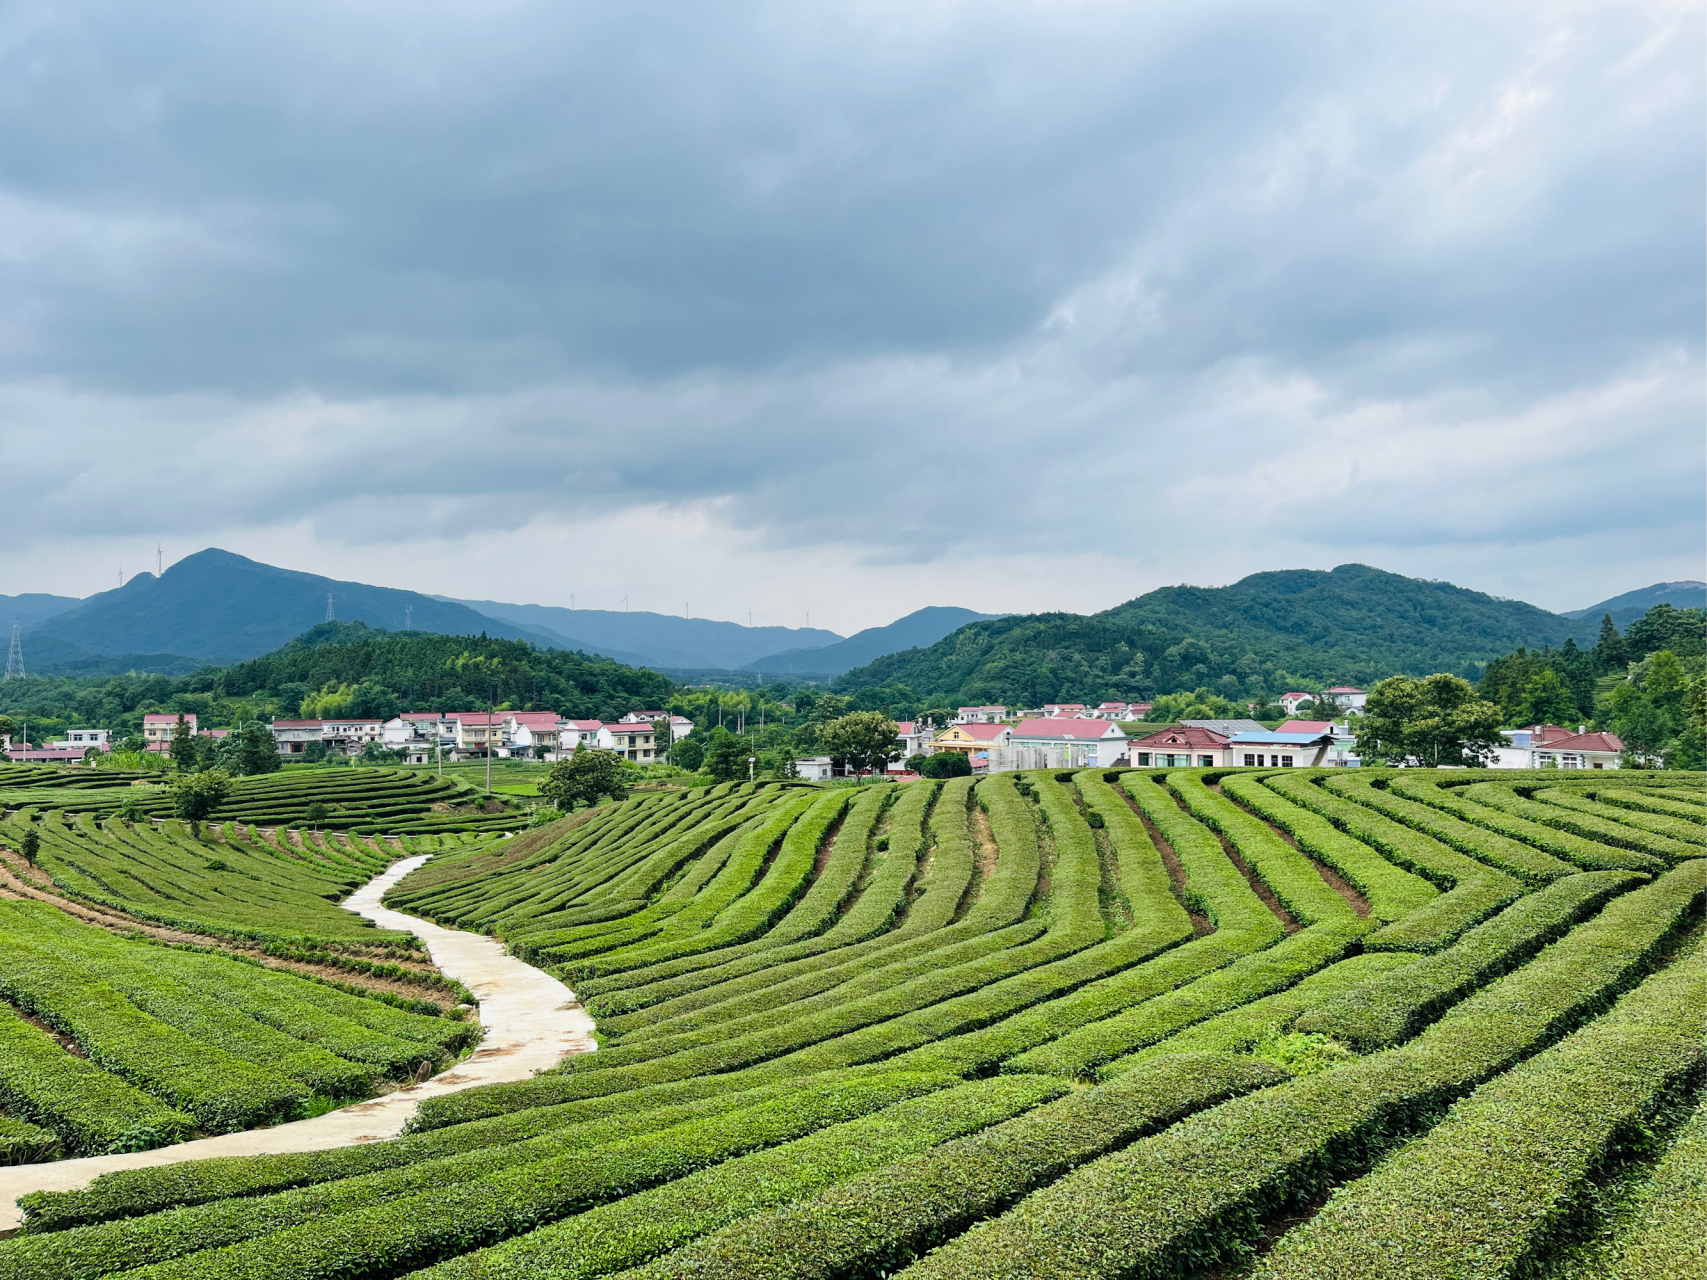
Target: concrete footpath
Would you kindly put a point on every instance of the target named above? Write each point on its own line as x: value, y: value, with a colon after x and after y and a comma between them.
x: 532, y: 1022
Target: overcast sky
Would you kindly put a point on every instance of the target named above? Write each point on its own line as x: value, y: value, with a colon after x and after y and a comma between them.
x: 853, y: 308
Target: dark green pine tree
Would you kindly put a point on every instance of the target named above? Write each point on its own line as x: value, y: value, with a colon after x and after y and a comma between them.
x: 1609, y: 648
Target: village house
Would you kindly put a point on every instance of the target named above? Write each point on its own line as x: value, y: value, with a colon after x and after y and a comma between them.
x: 981, y: 715
x: 478, y: 732
x: 630, y: 741
x: 1346, y: 698
x: 1080, y: 742
x: 968, y: 738
x: 81, y: 740
x: 1179, y: 746
x: 157, y: 729
x: 351, y: 735
x: 914, y: 737
x: 292, y: 737
x: 1545, y: 746
x: 572, y: 735
x: 1063, y: 710
x: 1271, y: 749
x: 1290, y: 702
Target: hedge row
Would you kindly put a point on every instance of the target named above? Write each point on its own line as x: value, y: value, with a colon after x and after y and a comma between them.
x: 1494, y: 1183
x: 91, y: 1112
x: 1527, y: 863
x: 612, y: 1237
x: 1248, y: 978
x: 1592, y: 854
x: 221, y: 1090
x: 1689, y: 807
x: 1143, y: 878
x: 1595, y: 830
x: 412, y: 1231
x: 882, y: 1220
x: 1395, y: 1006
x: 129, y: 1193
x: 1239, y: 1030
x: 86, y: 1252
x: 1213, y: 884
x: 1297, y: 883
x: 1192, y: 1197
x: 1393, y: 893
x: 1474, y: 891
x: 24, y: 1143
x: 1667, y: 832
x: 1668, y: 1236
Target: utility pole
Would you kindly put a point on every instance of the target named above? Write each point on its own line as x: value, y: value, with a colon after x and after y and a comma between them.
x: 489, y: 714
x: 751, y: 762
x: 328, y: 606
x: 159, y: 562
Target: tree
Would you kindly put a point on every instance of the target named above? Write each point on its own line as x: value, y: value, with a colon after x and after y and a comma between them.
x: 687, y: 754
x: 725, y: 756
x: 249, y: 749
x: 183, y: 749
x: 1609, y: 650
x: 863, y: 739
x: 316, y: 813
x: 943, y: 764
x: 30, y: 846
x: 196, y: 795
x: 1546, y: 700
x: 1435, y: 721
x: 586, y: 777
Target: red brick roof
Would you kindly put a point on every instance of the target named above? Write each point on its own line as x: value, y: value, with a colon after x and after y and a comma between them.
x: 1584, y: 742
x: 1306, y: 726
x: 171, y: 718
x: 982, y: 732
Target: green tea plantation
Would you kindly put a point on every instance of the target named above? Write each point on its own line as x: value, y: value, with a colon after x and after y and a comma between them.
x: 1297, y: 1025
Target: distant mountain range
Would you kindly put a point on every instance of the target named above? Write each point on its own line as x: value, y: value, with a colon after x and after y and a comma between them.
x: 659, y: 640
x: 215, y: 608
x: 1626, y: 608
x: 918, y: 629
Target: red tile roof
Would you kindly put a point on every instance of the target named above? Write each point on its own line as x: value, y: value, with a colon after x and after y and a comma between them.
x: 1178, y: 735
x: 171, y: 718
x: 535, y: 719
x: 1306, y: 726
x: 1343, y: 688
x: 296, y: 724
x: 1584, y: 742
x: 1065, y: 727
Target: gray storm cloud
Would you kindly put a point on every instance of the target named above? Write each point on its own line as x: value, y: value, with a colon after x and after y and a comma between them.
x: 1344, y: 281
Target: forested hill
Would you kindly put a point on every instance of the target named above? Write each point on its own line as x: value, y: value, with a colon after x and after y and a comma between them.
x: 347, y: 668
x: 420, y: 671
x: 1271, y: 631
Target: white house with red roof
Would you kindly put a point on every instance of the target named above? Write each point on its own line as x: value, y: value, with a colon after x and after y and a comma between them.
x: 1063, y: 710
x: 292, y: 737
x: 1080, y: 742
x: 572, y: 735
x: 531, y: 733
x: 1346, y: 697
x: 980, y: 715
x: 915, y: 737
x: 1290, y: 702
x: 634, y: 742
x: 1548, y: 746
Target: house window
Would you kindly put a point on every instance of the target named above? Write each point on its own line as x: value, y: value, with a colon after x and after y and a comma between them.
x: 1250, y: 761
x: 1205, y: 762
x: 1285, y: 762
x: 1597, y: 766
x: 1143, y: 758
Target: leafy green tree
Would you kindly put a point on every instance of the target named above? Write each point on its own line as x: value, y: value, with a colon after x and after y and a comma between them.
x: 196, y: 795
x: 1435, y: 721
x: 183, y: 747
x: 130, y: 808
x: 1682, y: 632
x: 1546, y: 700
x: 725, y: 756
x: 30, y: 846
x: 586, y: 777
x: 943, y: 764
x: 688, y: 754
x: 863, y: 739
x: 1609, y: 649
x: 248, y: 750
x: 317, y: 813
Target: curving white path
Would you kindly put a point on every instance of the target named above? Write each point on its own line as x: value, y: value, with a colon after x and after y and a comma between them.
x: 532, y: 1022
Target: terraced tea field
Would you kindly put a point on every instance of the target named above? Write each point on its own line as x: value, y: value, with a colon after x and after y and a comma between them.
x: 1087, y: 1024
x: 359, y: 801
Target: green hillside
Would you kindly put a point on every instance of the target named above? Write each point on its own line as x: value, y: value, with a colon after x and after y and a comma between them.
x: 1263, y: 634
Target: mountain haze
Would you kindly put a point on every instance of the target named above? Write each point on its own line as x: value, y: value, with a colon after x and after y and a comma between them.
x: 1626, y: 608
x: 920, y: 628
x: 658, y: 639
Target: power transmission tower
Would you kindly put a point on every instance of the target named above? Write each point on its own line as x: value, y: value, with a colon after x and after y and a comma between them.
x: 328, y: 606
x: 15, y: 655
x: 408, y: 617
